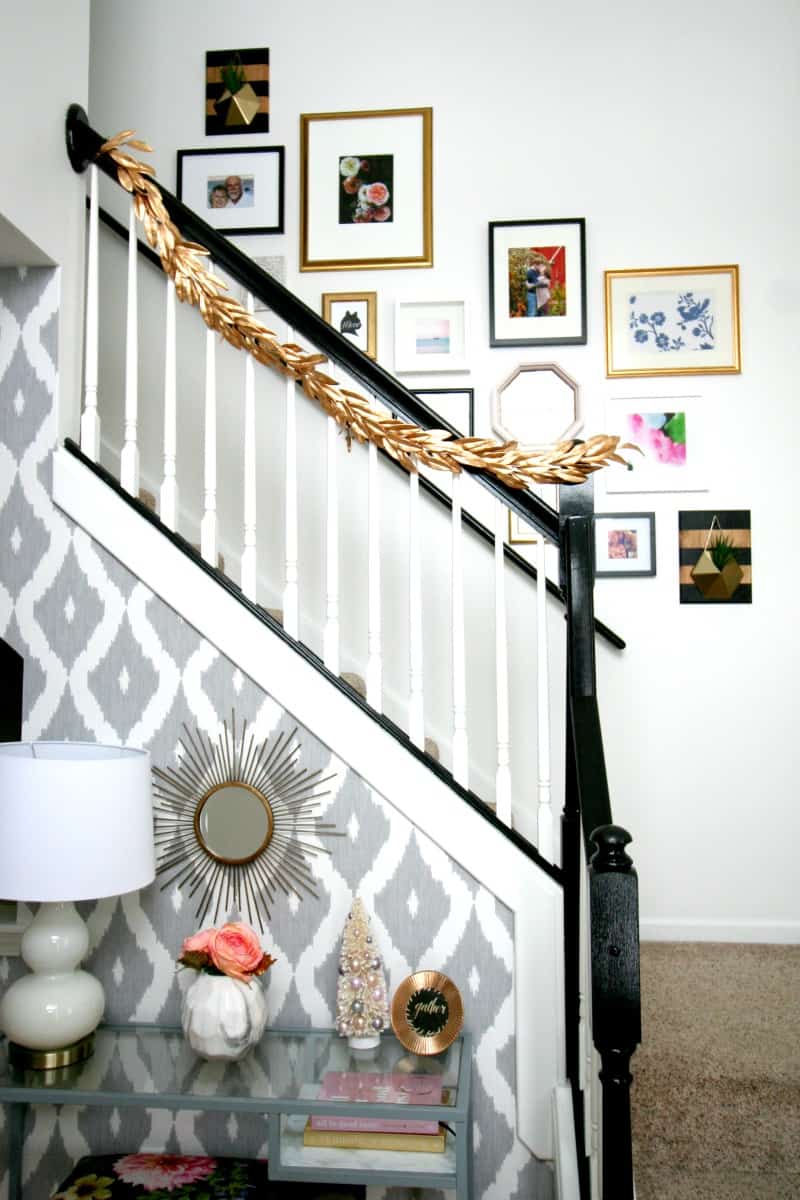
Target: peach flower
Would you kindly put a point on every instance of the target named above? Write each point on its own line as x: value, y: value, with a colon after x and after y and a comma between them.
x: 235, y: 950
x: 198, y: 942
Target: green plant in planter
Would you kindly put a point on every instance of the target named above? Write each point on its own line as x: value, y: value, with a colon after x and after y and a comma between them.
x: 233, y: 76
x: 721, y: 550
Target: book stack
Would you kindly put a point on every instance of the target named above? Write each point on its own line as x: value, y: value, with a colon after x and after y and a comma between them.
x: 377, y: 1133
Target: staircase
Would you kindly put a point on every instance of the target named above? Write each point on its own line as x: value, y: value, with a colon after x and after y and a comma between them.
x: 433, y: 768
x: 716, y: 1112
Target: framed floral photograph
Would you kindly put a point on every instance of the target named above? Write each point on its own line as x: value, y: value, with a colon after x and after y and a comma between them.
x: 624, y: 544
x: 237, y: 190
x: 537, y: 282
x: 671, y: 434
x: 237, y: 91
x: 366, y: 189
x: 355, y: 316
x: 430, y: 335
x: 672, y: 321
x: 456, y: 407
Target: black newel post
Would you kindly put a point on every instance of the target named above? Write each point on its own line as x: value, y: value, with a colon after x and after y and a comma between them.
x: 616, y: 1013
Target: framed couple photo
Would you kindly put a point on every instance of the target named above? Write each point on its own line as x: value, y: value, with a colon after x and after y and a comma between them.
x: 537, y: 282
x: 235, y: 191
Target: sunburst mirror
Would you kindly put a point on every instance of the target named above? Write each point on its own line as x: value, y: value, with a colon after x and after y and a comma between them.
x: 231, y: 821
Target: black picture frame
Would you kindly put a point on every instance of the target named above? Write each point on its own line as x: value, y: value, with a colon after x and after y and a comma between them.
x: 556, y: 250
x: 640, y: 524
x: 467, y: 395
x: 201, y: 171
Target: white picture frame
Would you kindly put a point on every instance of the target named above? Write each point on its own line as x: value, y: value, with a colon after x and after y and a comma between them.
x: 430, y: 336
x: 672, y: 455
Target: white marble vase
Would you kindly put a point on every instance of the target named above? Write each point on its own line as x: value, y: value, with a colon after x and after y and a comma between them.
x: 223, y: 1017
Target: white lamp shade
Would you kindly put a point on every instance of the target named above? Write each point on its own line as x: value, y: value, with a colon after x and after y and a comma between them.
x: 76, y: 821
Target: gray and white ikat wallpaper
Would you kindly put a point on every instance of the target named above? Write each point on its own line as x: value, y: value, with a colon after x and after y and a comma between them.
x: 107, y: 660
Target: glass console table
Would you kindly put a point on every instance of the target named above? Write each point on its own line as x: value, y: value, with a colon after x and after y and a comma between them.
x: 281, y: 1077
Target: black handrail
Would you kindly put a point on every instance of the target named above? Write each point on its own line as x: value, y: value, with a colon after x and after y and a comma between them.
x: 83, y: 147
x: 472, y: 523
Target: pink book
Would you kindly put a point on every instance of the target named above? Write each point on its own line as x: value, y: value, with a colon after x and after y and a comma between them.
x: 379, y: 1088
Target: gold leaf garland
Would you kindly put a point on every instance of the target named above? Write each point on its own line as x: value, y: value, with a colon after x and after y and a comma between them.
x: 512, y: 464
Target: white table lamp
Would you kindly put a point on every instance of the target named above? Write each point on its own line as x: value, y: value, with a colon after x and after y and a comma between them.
x: 76, y: 823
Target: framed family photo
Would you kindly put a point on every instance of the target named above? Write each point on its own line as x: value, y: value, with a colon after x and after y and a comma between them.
x: 430, y: 335
x: 672, y: 321
x: 235, y: 191
x: 625, y: 544
x: 456, y: 407
x: 355, y: 316
x: 537, y: 282
x: 366, y: 189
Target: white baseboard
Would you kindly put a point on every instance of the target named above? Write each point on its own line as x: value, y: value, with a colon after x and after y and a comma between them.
x: 690, y: 929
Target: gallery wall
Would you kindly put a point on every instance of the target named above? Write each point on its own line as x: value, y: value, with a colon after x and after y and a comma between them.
x: 672, y: 133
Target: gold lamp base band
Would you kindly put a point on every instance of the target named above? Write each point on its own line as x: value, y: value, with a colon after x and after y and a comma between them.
x: 46, y: 1060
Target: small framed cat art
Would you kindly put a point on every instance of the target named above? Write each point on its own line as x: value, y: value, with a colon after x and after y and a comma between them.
x: 355, y: 316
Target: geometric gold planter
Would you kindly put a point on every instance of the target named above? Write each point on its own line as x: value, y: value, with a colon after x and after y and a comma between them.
x: 716, y: 584
x: 239, y: 108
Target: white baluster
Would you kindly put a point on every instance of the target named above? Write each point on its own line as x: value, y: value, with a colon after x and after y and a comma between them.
x: 416, y: 707
x: 460, y: 740
x: 374, y: 650
x: 208, y: 525
x: 502, y: 789
x: 290, y: 590
x: 545, y: 812
x: 90, y: 417
x: 129, y: 460
x: 249, y: 551
x: 168, y: 497
x: 330, y: 651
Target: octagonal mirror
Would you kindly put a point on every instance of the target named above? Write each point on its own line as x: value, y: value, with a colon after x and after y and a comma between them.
x: 537, y: 404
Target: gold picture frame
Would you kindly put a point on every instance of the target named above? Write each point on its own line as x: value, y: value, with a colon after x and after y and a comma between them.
x: 427, y: 1012
x: 351, y: 165
x: 355, y: 316
x: 672, y: 321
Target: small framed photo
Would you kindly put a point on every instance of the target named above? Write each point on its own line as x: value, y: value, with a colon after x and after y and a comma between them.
x: 456, y: 407
x: 625, y: 544
x: 537, y: 282
x: 354, y: 314
x: 430, y: 335
x: 237, y: 91
x: 235, y: 191
x: 520, y: 533
x: 366, y: 191
x: 672, y: 321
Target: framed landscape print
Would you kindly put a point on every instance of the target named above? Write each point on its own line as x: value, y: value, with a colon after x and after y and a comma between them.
x: 237, y: 91
x: 366, y: 197
x: 430, y: 335
x: 235, y: 191
x: 670, y: 433
x: 672, y: 321
x: 537, y: 282
x: 354, y: 314
x: 456, y: 406
x: 624, y: 544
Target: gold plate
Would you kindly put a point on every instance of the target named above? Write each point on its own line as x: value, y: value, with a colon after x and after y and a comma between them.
x: 427, y: 1012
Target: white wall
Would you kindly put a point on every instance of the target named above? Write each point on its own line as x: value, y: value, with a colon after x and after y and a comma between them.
x: 45, y: 69
x: 672, y: 131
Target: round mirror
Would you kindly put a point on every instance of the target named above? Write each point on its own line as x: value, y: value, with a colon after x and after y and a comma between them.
x: 233, y: 822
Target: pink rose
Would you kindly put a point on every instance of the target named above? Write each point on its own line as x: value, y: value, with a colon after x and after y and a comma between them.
x: 377, y: 193
x: 381, y: 214
x: 235, y: 950
x: 197, y: 942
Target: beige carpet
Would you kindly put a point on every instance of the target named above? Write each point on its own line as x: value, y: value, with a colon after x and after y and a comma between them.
x: 716, y: 1091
